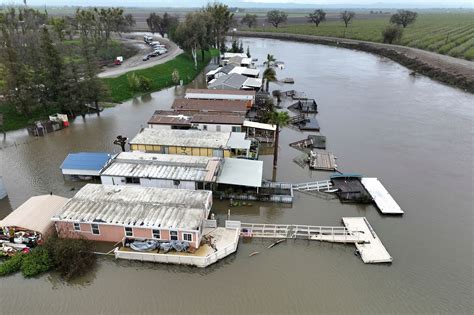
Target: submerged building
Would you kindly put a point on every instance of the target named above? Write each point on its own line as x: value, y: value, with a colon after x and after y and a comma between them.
x: 191, y: 142
x: 112, y: 213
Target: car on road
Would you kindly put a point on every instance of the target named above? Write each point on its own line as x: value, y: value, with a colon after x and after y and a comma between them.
x: 146, y: 57
x: 154, y: 54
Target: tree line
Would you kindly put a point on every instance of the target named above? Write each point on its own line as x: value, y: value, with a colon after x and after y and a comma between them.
x: 199, y: 31
x: 393, y: 32
x: 41, y: 71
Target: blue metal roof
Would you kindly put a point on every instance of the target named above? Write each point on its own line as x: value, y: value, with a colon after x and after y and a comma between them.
x: 94, y: 161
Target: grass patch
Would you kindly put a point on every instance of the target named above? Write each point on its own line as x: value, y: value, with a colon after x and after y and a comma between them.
x: 160, y: 75
x: 13, y: 120
x: 445, y: 33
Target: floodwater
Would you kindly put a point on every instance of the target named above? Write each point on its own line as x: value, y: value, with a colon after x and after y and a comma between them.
x: 414, y: 134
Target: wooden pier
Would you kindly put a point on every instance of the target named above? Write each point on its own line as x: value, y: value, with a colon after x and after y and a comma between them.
x: 307, y: 106
x: 381, y: 197
x: 322, y: 160
x: 356, y: 230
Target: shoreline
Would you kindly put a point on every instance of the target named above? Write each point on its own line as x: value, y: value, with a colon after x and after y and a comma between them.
x: 452, y: 71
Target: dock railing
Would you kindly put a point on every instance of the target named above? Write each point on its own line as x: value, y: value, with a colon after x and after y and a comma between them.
x: 265, y: 230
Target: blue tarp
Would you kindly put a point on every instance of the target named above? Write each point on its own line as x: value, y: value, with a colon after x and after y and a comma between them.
x: 93, y: 161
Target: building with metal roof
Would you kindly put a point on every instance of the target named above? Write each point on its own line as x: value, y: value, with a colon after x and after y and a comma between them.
x: 222, y: 106
x: 235, y: 81
x: 241, y: 172
x: 35, y: 214
x: 112, y: 213
x: 191, y: 142
x: 162, y: 170
x: 85, y: 163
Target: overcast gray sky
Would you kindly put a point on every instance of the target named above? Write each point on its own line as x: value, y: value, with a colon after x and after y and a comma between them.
x: 250, y: 3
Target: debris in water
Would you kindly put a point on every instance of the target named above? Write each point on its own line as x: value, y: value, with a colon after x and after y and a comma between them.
x: 276, y: 243
x: 253, y: 254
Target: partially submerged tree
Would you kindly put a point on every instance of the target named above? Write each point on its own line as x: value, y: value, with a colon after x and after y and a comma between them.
x: 269, y: 75
x: 392, y: 33
x: 276, y: 17
x: 347, y: 17
x: 317, y: 17
x: 270, y: 60
x: 280, y: 120
x: 250, y: 20
x: 403, y: 18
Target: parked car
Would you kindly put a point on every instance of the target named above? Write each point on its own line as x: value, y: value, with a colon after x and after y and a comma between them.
x: 146, y: 57
x: 154, y: 54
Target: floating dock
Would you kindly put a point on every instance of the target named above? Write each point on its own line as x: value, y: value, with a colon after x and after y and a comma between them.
x: 322, y: 160
x: 371, y: 250
x: 356, y: 230
x: 312, y: 142
x: 381, y: 197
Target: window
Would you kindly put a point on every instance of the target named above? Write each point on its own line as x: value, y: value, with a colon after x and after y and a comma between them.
x: 95, y: 229
x: 128, y: 231
x: 204, y: 127
x: 236, y: 129
x: 176, y: 182
x: 132, y: 180
x: 77, y: 227
x: 173, y: 235
x: 156, y: 234
x: 218, y: 128
x: 188, y: 237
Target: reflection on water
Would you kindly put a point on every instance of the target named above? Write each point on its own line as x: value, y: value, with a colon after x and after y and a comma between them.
x: 414, y: 134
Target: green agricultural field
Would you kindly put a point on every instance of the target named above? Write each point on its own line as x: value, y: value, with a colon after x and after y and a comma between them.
x: 445, y: 33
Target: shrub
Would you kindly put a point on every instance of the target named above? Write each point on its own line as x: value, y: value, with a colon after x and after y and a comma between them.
x: 392, y: 33
x: 138, y: 83
x: 70, y: 257
x: 12, y: 265
x: 36, y: 262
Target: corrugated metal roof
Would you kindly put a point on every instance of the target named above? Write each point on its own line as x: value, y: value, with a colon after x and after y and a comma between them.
x: 217, y: 91
x: 163, y: 166
x: 94, y: 161
x: 233, y: 80
x: 241, y: 172
x: 36, y: 213
x: 137, y: 206
x: 182, y: 138
x: 187, y: 104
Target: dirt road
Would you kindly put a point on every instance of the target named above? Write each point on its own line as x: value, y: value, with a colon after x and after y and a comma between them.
x: 450, y: 70
x: 136, y: 62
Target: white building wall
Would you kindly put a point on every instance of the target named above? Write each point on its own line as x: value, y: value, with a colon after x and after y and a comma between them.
x: 149, y: 182
x: 214, y: 127
x: 156, y: 126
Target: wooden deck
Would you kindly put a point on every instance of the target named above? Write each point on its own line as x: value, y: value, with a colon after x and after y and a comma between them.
x: 322, y: 160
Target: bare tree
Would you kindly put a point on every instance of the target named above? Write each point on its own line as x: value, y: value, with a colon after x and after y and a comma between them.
x: 347, y: 16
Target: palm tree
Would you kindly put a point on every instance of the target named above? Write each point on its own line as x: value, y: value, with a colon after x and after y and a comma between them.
x: 270, y: 60
x: 269, y: 75
x: 280, y: 120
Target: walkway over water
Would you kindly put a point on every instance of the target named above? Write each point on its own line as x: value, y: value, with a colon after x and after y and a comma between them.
x: 381, y: 197
x: 356, y: 230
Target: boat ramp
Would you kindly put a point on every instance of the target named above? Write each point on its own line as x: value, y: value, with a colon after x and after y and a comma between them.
x: 356, y: 230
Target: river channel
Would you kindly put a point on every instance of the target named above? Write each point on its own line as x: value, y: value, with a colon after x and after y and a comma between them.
x: 414, y: 134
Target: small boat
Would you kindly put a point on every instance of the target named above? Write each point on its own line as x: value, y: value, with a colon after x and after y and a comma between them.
x: 144, y: 246
x: 288, y: 80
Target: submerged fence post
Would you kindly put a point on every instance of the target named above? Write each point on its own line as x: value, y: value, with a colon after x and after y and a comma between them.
x: 3, y: 191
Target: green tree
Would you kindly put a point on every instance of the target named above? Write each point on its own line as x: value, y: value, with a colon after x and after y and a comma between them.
x: 347, y: 17
x: 392, y: 33
x: 404, y: 18
x: 193, y: 34
x: 270, y: 60
x: 52, y: 70
x: 276, y: 17
x: 221, y: 20
x: 59, y: 27
x: 317, y: 17
x: 269, y: 75
x: 249, y: 19
x: 280, y: 120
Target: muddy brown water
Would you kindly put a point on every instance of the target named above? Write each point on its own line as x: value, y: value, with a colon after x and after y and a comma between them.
x: 414, y: 134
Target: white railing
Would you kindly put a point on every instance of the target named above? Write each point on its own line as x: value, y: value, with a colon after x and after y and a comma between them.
x: 264, y: 230
x: 229, y: 224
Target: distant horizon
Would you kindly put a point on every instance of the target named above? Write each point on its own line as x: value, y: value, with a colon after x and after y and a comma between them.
x: 256, y: 4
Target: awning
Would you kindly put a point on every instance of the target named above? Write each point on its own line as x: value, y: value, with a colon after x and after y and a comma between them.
x: 257, y: 125
x: 241, y: 172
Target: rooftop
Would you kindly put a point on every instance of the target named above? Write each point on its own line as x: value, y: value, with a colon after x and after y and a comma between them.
x: 218, y: 119
x: 137, y: 206
x: 187, y: 104
x: 173, y: 118
x: 217, y: 91
x: 182, y: 138
x: 164, y: 166
x: 93, y: 161
x: 234, y: 80
x: 35, y: 214
x: 241, y: 172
